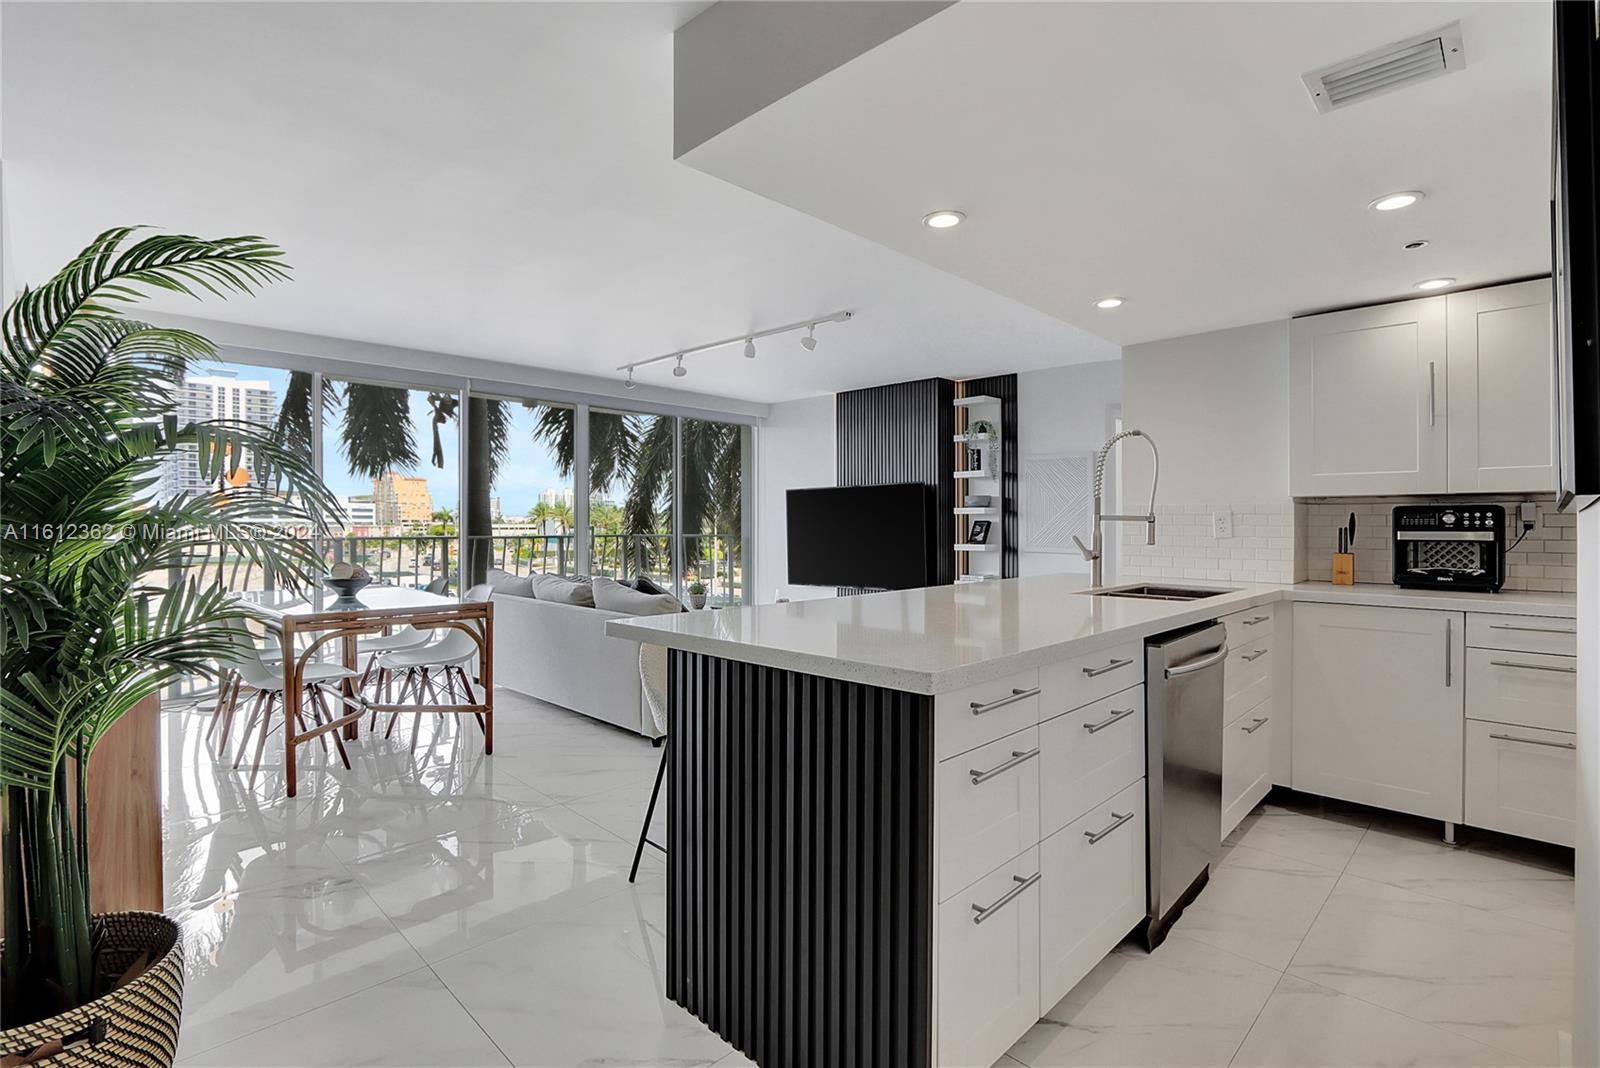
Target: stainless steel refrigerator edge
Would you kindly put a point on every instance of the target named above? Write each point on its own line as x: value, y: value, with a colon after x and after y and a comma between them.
x: 1183, y: 738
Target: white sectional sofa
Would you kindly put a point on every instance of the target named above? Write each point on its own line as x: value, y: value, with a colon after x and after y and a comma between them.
x: 561, y: 653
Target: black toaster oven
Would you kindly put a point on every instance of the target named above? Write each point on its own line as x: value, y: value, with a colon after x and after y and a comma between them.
x: 1450, y: 546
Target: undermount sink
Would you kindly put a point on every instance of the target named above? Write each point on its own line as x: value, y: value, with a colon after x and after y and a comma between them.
x: 1158, y: 593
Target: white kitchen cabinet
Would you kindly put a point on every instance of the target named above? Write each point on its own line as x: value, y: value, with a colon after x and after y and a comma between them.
x: 1367, y: 400
x: 988, y: 807
x: 1446, y: 394
x: 1522, y: 780
x: 1091, y: 890
x: 1246, y: 763
x: 1379, y: 707
x: 989, y: 964
x: 1501, y: 402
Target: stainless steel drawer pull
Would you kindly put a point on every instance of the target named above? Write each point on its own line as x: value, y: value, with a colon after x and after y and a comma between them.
x: 1531, y: 630
x: 980, y: 707
x: 1018, y: 756
x: 1110, y: 666
x: 983, y: 912
x: 1190, y: 667
x: 1253, y: 620
x: 1448, y: 666
x: 1117, y: 820
x: 1534, y: 741
x: 1535, y: 667
x: 1116, y: 714
x: 1256, y: 724
x: 1253, y: 656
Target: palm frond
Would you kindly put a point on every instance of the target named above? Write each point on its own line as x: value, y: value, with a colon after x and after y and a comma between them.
x: 377, y: 435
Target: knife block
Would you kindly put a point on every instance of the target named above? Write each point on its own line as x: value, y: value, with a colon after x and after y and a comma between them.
x: 1344, y: 569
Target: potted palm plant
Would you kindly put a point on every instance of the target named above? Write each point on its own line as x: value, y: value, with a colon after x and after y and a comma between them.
x: 90, y: 626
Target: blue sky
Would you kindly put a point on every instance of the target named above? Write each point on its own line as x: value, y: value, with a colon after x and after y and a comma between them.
x: 527, y: 473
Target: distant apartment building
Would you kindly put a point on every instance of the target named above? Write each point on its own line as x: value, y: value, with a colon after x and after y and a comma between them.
x: 360, y: 514
x: 554, y: 497
x: 401, y: 501
x: 495, y: 514
x: 216, y: 395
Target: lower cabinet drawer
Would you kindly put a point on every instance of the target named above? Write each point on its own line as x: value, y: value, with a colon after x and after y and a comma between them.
x: 1246, y: 764
x: 1089, y: 754
x: 1522, y: 780
x: 1074, y: 683
x: 1534, y: 689
x: 1529, y: 634
x: 988, y: 966
x: 988, y: 808
x: 1092, y: 890
x: 967, y: 718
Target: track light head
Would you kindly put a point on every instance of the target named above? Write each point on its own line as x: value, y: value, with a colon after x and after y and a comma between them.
x: 629, y: 383
x: 749, y: 348
x: 679, y: 370
x: 809, y: 342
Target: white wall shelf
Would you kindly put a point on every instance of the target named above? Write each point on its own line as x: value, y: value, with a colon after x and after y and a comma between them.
x: 974, y: 474
x: 971, y: 547
x: 977, y: 511
x: 973, y: 402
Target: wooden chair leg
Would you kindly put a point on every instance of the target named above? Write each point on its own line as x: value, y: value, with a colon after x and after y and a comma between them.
x: 405, y: 687
x: 266, y: 729
x: 230, y: 710
x: 338, y: 740
x: 223, y: 686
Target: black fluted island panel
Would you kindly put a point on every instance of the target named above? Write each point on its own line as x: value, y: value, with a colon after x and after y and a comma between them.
x: 799, y: 874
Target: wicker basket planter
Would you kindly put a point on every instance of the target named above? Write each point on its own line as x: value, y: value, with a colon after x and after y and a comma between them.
x: 140, y: 1019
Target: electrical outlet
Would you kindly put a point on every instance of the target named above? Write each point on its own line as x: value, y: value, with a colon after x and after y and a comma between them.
x: 1222, y: 524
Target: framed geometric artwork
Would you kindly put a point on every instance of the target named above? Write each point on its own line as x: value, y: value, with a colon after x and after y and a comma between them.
x: 1057, y: 501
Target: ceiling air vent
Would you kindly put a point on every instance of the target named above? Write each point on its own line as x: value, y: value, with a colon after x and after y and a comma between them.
x: 1381, y: 70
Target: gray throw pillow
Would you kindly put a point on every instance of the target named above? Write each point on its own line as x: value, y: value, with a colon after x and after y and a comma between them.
x: 563, y: 590
x: 613, y: 596
x: 505, y: 583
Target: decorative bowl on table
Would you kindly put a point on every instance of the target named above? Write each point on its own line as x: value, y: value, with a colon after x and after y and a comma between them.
x: 347, y: 582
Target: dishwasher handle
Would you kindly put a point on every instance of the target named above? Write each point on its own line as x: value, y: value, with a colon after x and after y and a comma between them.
x: 1200, y: 664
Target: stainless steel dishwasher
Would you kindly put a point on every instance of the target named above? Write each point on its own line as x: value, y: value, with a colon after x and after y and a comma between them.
x: 1183, y: 754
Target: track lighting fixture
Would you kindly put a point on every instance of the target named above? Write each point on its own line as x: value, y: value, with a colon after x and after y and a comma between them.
x: 809, y: 343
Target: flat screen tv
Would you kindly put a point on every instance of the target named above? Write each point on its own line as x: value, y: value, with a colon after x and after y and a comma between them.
x: 1576, y: 236
x: 874, y: 537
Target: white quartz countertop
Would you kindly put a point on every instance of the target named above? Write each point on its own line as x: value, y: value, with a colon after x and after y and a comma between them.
x: 947, y: 637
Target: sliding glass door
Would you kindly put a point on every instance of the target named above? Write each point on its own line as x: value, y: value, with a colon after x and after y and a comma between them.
x: 520, y: 503
x: 711, y: 508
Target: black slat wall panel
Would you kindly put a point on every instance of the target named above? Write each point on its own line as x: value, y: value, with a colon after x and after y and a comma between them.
x: 799, y: 864
x: 901, y: 433
x: 1005, y: 388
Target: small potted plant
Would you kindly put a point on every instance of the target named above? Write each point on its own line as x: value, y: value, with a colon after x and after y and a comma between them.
x: 697, y: 594
x: 90, y: 631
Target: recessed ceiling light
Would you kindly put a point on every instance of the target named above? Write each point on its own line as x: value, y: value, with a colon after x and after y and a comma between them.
x: 1436, y: 283
x: 1108, y: 302
x: 1412, y: 246
x: 1396, y: 201
x: 943, y: 220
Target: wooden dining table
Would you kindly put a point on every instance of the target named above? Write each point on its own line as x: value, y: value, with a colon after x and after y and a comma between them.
x: 325, y: 620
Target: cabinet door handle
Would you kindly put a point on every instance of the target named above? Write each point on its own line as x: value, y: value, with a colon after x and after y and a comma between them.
x: 1534, y: 741
x: 1253, y: 620
x: 1253, y: 656
x: 1016, y: 694
x: 983, y: 912
x: 1534, y: 667
x: 1112, y: 665
x: 1433, y: 394
x: 1448, y: 626
x: 1018, y: 756
x: 1531, y: 630
x: 1117, y: 820
x: 1256, y: 724
x: 1116, y: 714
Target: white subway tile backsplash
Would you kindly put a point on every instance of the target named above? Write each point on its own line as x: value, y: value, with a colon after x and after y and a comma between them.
x: 1262, y: 548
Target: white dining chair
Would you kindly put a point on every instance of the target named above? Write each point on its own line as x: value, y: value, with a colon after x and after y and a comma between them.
x: 653, y: 683
x: 425, y: 669
x: 266, y: 680
x: 230, y: 683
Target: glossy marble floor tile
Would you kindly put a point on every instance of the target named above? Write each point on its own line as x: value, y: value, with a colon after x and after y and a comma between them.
x: 1499, y: 981
x: 1258, y: 905
x: 1185, y: 1004
x: 412, y: 1020
x: 436, y: 906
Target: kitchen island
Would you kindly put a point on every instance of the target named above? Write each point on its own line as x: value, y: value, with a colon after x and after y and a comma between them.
x: 899, y: 823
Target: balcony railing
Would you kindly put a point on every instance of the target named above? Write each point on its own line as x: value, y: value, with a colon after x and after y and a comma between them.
x: 420, y: 560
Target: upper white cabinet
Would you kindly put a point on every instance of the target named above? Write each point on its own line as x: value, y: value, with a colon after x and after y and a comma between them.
x: 1446, y: 394
x: 1366, y: 401
x: 1501, y: 390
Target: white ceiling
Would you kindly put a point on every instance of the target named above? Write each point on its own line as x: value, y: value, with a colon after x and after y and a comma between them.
x: 494, y: 181
x: 1168, y: 153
